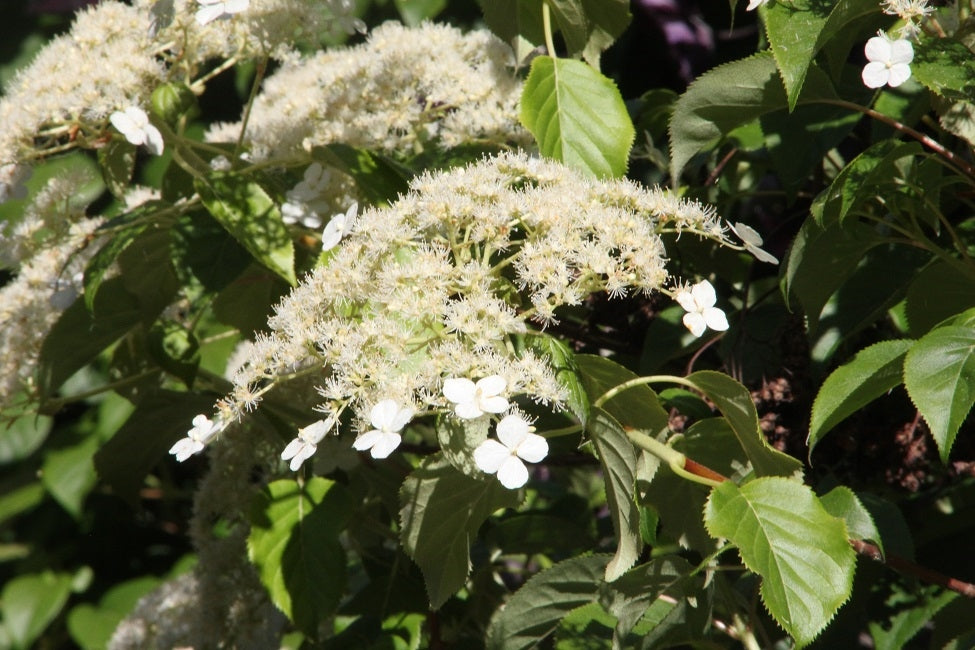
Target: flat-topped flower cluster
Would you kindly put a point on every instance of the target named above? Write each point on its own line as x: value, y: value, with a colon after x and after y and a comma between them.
x: 419, y: 309
x: 401, y: 91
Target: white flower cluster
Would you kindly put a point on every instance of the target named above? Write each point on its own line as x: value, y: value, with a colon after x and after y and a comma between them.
x: 417, y: 310
x: 102, y: 64
x: 46, y: 284
x: 115, y: 55
x: 402, y: 89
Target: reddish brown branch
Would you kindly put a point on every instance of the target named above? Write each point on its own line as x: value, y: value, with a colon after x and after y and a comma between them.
x: 904, y: 565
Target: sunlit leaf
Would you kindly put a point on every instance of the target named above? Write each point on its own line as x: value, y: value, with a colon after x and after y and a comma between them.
x: 843, y: 502
x: 577, y: 116
x: 735, y: 403
x: 294, y: 544
x: 797, y: 30
x: 868, y: 375
x: 801, y: 552
x: 30, y: 602
x: 618, y: 457
x: 248, y: 213
x: 939, y: 374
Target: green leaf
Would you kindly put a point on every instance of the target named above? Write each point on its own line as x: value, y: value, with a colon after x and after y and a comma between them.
x: 797, y: 30
x: 441, y: 510
x: 590, y: 26
x: 175, y: 349
x: 618, y: 458
x: 117, y: 161
x: 248, y: 213
x: 589, y: 627
x: 937, y: 292
x: 798, y: 141
x: 862, y: 180
x: 577, y: 116
x: 294, y: 542
x: 68, y: 472
x: 118, y: 241
x: 679, y: 502
x: 458, y: 438
x: 380, y: 179
x: 735, y: 403
x: 939, y: 374
x: 821, y: 260
x: 801, y: 552
x: 147, y: 272
x: 515, y: 22
x: 29, y: 603
x: 730, y: 96
x: 203, y: 251
x: 534, y: 611
x: 91, y: 627
x: 842, y: 502
x: 871, y: 373
x: 414, y: 12
x: 629, y: 597
x: 22, y: 437
x: 158, y: 421
x: 945, y: 67
x: 562, y: 361
x: 903, y: 626
x: 637, y: 407
x: 79, y: 335
x: 957, y: 117
x: 21, y: 499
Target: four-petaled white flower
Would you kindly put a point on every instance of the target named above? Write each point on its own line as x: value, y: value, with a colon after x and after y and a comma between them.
x: 698, y: 302
x: 211, y: 10
x: 753, y: 242
x: 888, y: 61
x: 196, y: 438
x: 755, y: 4
x: 304, y: 200
x: 389, y: 419
x: 304, y: 446
x: 474, y: 400
x: 134, y: 124
x: 340, y: 226
x: 504, y: 458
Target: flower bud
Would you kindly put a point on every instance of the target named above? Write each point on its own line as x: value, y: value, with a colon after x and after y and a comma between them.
x: 172, y: 101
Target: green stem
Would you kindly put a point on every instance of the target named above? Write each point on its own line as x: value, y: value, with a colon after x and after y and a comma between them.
x: 640, y: 381
x: 55, y: 405
x: 674, y: 459
x: 255, y: 87
x: 547, y: 25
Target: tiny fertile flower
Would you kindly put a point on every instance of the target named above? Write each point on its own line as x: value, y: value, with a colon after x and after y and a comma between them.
x: 888, y: 61
x: 698, y: 302
x: 304, y: 446
x: 134, y: 124
x: 196, y: 438
x: 389, y: 419
x: 211, y: 10
x: 753, y: 242
x: 340, y: 226
x: 474, y: 400
x: 518, y: 443
x: 755, y: 4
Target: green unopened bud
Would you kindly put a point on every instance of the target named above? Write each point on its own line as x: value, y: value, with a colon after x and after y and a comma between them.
x: 172, y: 101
